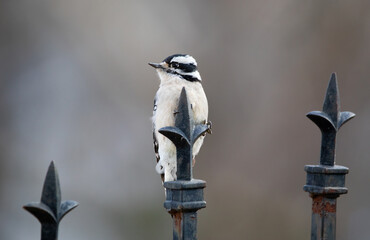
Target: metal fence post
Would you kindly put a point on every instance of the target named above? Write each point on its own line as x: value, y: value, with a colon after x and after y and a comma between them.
x: 184, y: 197
x: 325, y: 182
x: 50, y: 211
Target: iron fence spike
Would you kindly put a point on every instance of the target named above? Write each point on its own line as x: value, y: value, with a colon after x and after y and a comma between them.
x: 331, y: 104
x: 51, y: 194
x: 184, y: 196
x: 329, y: 120
x: 326, y: 182
x: 50, y: 211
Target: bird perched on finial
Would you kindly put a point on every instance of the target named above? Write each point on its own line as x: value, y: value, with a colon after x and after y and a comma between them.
x: 175, y: 72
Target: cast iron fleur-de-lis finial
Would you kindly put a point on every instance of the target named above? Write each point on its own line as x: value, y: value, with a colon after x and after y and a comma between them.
x: 184, y: 196
x: 50, y: 211
x: 329, y: 120
x: 183, y: 136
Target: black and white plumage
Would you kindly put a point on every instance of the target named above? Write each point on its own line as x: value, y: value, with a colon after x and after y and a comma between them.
x: 175, y: 72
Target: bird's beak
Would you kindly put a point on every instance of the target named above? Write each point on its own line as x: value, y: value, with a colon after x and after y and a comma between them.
x: 156, y: 65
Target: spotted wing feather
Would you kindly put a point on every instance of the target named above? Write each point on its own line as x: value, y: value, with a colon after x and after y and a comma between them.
x: 155, y: 142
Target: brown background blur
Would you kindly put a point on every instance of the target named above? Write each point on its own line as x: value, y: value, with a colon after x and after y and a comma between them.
x: 75, y: 88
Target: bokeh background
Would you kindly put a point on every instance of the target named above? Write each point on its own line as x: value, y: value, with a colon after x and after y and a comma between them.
x: 75, y: 88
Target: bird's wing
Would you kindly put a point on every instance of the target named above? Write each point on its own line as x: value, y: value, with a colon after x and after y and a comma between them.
x: 155, y: 142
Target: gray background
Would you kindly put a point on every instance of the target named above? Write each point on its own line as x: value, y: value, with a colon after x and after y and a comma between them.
x: 75, y: 88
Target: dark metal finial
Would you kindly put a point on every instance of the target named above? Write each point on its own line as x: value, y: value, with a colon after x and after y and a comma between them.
x: 183, y: 135
x: 50, y: 211
x: 329, y: 120
x: 184, y: 196
x: 326, y: 182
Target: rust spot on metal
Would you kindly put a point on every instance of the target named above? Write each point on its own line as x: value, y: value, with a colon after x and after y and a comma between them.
x: 177, y: 219
x: 332, y: 208
x: 332, y: 191
x: 321, y: 205
x: 317, y: 204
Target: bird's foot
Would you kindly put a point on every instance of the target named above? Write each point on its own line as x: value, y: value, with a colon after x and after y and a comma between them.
x: 209, y: 125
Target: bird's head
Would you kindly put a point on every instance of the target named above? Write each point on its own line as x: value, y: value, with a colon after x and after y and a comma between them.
x: 181, y: 65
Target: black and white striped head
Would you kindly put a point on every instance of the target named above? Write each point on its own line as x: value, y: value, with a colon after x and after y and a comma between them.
x: 181, y: 65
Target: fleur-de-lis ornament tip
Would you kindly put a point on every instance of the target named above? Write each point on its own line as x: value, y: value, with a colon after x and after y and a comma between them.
x: 183, y: 135
x: 184, y: 130
x: 331, y: 118
x: 50, y: 210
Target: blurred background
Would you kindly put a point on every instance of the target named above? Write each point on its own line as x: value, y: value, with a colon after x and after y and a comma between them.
x: 75, y: 88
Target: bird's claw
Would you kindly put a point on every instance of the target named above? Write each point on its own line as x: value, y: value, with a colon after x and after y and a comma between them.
x: 209, y: 125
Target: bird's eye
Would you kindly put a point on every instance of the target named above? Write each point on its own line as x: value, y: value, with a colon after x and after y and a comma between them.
x: 175, y: 65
